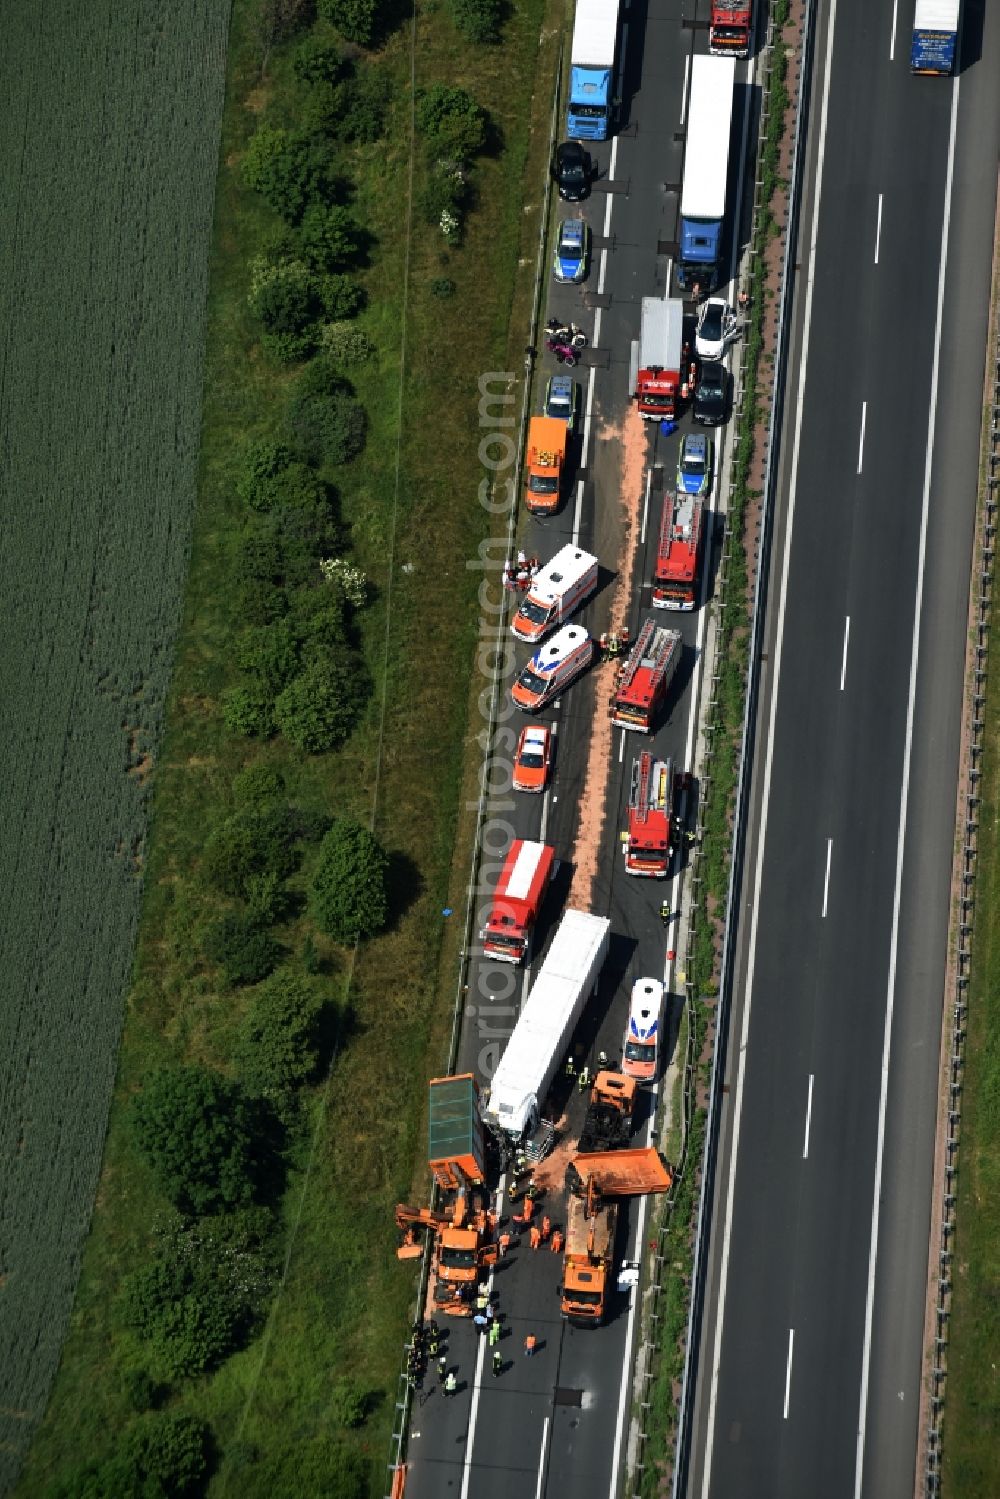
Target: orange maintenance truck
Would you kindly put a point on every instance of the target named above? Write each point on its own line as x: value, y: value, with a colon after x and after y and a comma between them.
x: 546, y: 464
x: 463, y: 1238
x: 594, y: 1182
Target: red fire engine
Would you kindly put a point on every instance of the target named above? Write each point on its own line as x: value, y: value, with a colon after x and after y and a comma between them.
x: 678, y: 558
x: 729, y: 28
x: 519, y: 893
x: 645, y: 676
x: 650, y: 810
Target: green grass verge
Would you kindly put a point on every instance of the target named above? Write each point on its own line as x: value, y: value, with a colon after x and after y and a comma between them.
x: 971, y: 1442
x: 344, y: 1301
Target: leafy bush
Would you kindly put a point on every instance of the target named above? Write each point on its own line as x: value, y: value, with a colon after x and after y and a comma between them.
x: 277, y: 1047
x: 300, y: 486
x: 245, y: 952
x: 479, y: 20
x: 445, y: 192
x: 349, y: 580
x: 351, y: 1403
x: 288, y: 169
x: 319, y: 708
x: 168, y: 1450
x: 355, y: 19
x: 253, y: 841
x: 284, y: 294
x: 161, y: 1456
x: 452, y: 123
x: 262, y: 461
x: 363, y: 106
x: 345, y: 343
x: 342, y: 297
x: 196, y: 1300
x: 442, y: 287
x: 328, y: 424
x: 142, y: 1391
x: 195, y: 1131
x: 319, y: 618
x: 317, y: 61
x: 330, y: 238
x: 270, y: 654
x: 348, y: 897
x: 248, y: 710
x: 256, y: 784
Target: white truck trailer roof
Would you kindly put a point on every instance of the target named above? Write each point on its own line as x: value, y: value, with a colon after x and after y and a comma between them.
x: 661, y: 328
x: 551, y: 1011
x: 709, y: 121
x: 936, y: 15
x: 595, y: 34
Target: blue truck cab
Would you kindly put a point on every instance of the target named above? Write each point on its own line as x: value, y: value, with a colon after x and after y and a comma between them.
x: 593, y: 61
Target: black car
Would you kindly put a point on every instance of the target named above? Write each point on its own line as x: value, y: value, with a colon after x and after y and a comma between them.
x: 710, y: 393
x: 573, y: 171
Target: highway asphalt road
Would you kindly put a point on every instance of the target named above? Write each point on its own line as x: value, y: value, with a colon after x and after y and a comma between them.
x: 555, y: 1421
x: 810, y: 1362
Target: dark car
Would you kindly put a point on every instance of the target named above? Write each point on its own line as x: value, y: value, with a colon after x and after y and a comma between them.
x: 710, y: 393
x: 573, y: 171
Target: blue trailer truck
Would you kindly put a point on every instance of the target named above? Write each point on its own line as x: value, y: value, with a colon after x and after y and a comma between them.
x: 706, y: 172
x: 935, y: 37
x: 593, y: 61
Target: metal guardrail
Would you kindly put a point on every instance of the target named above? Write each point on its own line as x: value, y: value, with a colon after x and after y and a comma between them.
x: 963, y: 922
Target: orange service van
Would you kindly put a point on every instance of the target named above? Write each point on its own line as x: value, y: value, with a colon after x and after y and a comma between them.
x: 546, y: 465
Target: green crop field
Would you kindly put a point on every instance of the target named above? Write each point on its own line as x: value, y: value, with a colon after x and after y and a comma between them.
x: 109, y: 138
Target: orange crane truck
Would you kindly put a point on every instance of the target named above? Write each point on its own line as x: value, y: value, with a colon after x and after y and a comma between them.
x: 594, y: 1183
x: 463, y: 1232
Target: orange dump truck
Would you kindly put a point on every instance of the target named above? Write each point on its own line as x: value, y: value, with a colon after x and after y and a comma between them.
x: 595, y: 1182
x: 464, y: 1242
x: 546, y: 465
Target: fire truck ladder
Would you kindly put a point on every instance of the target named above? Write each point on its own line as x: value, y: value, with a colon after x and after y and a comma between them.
x: 637, y: 655
x: 643, y: 791
x: 684, y: 518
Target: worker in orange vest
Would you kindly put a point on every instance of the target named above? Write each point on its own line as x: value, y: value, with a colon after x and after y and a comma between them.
x: 504, y: 1243
x: 529, y: 1209
x: 546, y: 1228
x: 536, y: 1237
x: 557, y: 1241
x: 529, y: 1345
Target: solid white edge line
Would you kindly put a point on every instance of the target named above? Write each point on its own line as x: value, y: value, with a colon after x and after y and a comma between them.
x: 788, y: 1373
x: 809, y: 1114
x: 904, y: 804
x: 541, y: 1455
x: 684, y: 89
x: 586, y: 418
x: 826, y: 877
x: 878, y: 228
x: 861, y: 439
x: 578, y: 513
x: 892, y: 34
x: 843, y: 664
x: 645, y: 507
x: 793, y: 486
